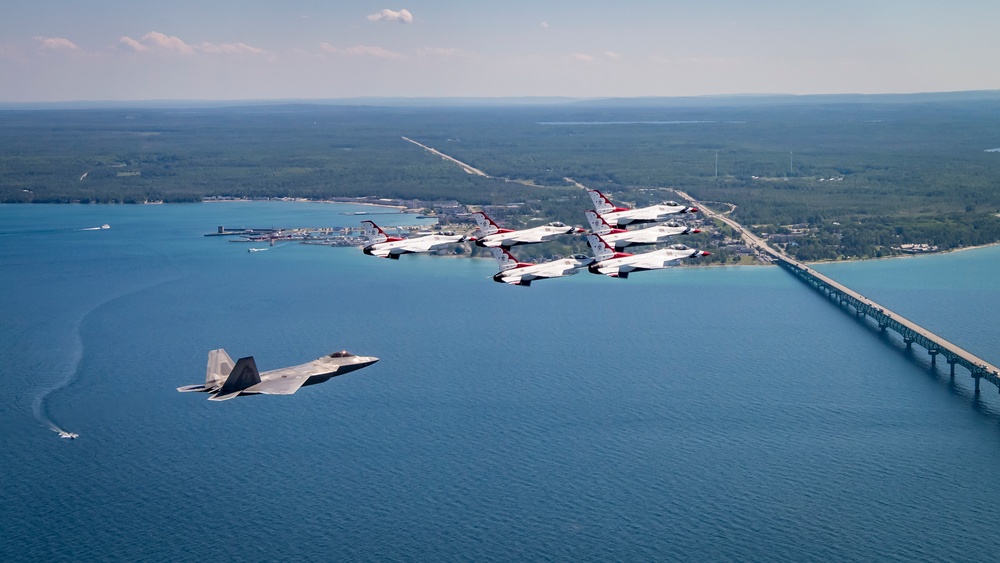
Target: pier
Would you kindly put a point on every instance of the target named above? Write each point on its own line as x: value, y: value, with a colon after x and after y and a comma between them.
x: 862, y: 307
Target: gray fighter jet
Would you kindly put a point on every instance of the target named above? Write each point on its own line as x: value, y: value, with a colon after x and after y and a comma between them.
x: 225, y: 380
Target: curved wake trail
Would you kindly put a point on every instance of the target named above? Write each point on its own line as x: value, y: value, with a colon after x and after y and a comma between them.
x: 39, y: 407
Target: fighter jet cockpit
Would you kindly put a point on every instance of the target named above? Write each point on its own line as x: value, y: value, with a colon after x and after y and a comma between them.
x: 557, y: 224
x: 341, y: 354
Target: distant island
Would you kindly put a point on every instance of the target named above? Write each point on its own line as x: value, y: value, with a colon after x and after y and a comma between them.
x: 822, y: 177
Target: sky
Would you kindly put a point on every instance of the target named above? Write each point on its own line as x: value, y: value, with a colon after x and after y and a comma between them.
x: 83, y: 50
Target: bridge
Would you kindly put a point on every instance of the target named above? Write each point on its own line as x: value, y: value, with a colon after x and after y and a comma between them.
x: 862, y: 307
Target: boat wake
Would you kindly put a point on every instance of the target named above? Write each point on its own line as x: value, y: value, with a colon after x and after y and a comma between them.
x: 103, y: 227
x: 40, y: 407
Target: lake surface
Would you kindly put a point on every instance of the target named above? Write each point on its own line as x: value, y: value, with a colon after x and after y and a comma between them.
x: 699, y: 414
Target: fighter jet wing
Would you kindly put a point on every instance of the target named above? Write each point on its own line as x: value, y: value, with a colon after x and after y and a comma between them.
x: 380, y: 252
x: 655, y: 262
x: 282, y: 385
x: 555, y: 272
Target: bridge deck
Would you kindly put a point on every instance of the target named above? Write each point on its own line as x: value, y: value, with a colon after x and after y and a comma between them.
x: 886, y: 319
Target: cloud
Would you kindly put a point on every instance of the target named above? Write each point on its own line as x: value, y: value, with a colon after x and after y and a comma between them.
x: 583, y: 58
x: 362, y: 51
x: 612, y: 55
x: 545, y: 25
x: 230, y: 49
x: 56, y: 44
x: 155, y: 40
x: 168, y: 42
x: 133, y: 44
x: 442, y: 52
x: 402, y: 16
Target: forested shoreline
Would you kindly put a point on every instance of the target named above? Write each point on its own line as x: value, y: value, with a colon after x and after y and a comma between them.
x: 836, y: 178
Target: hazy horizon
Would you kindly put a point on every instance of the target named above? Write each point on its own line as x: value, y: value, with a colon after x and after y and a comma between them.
x: 303, y: 50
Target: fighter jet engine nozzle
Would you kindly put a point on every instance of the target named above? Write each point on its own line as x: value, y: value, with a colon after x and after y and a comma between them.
x: 367, y: 250
x: 498, y: 277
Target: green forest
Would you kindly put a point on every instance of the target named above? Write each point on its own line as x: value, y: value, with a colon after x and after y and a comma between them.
x: 856, y: 175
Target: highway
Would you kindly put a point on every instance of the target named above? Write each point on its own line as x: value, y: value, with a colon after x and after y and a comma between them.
x: 468, y: 169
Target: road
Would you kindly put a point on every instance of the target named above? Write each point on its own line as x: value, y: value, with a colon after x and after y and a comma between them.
x: 468, y: 169
x: 752, y: 240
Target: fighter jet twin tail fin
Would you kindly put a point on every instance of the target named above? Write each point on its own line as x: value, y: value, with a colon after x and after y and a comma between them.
x: 225, y: 379
x: 244, y: 375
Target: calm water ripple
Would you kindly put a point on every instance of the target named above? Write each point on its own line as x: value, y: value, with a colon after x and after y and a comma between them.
x: 707, y: 414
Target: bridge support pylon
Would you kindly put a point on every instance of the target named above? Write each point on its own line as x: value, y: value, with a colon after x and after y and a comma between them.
x: 909, y: 342
x: 933, y: 354
x: 978, y: 377
x: 951, y: 363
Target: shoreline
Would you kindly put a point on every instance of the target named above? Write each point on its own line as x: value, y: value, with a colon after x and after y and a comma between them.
x: 905, y: 256
x: 402, y: 208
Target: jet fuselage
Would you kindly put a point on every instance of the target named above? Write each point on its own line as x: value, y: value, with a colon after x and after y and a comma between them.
x: 507, y: 238
x: 620, y: 266
x: 651, y: 214
x: 525, y: 274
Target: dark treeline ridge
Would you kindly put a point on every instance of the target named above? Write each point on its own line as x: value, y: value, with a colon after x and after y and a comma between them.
x: 847, y: 177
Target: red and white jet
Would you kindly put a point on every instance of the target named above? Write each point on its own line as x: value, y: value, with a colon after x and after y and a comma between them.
x: 621, y: 239
x: 384, y: 246
x: 620, y: 264
x: 523, y: 273
x: 621, y: 216
x: 494, y: 236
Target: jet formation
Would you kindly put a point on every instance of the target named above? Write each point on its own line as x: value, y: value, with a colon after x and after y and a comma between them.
x: 607, y: 239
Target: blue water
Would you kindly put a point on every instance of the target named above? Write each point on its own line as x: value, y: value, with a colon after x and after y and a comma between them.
x: 700, y: 414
